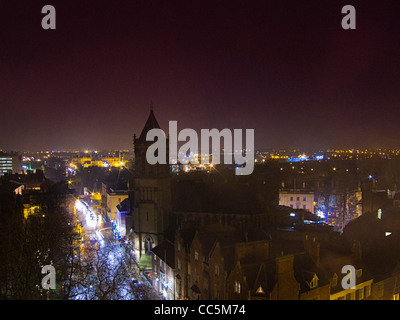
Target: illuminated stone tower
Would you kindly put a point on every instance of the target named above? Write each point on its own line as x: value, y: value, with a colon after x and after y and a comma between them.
x: 152, y: 195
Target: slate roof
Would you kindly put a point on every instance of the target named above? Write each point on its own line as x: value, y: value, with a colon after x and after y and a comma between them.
x: 166, y: 252
x: 151, y: 123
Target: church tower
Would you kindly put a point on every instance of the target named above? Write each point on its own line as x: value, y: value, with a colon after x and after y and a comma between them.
x: 152, y: 195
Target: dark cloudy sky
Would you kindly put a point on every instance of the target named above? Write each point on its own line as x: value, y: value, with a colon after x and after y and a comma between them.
x: 284, y: 68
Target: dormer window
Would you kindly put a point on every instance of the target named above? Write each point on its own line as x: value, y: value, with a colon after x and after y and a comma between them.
x: 260, y: 290
x: 314, y: 282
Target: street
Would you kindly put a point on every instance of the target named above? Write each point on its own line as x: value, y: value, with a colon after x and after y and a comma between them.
x: 115, y: 272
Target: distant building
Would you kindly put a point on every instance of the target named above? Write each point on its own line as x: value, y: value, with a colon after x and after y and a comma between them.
x: 297, y: 199
x: 100, y: 160
x: 30, y: 181
x: 123, y: 208
x: 10, y: 163
x: 34, y: 191
x: 114, y: 198
x: 114, y: 189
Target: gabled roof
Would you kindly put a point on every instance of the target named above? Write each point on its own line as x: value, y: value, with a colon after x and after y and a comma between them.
x: 166, y: 252
x: 258, y: 274
x: 151, y: 123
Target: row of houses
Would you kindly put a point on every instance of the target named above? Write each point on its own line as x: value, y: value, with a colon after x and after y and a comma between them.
x: 217, y: 262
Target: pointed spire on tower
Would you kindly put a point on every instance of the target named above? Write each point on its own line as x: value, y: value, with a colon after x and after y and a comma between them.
x: 151, y: 123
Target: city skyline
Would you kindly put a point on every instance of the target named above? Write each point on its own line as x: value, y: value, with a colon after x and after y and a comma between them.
x: 289, y: 71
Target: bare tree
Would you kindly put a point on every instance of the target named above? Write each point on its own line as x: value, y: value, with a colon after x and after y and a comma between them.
x: 103, y: 273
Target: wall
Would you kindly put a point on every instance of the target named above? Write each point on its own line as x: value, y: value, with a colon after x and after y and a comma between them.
x: 296, y: 200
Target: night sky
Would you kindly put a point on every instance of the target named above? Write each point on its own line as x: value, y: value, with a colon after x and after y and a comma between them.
x: 284, y: 68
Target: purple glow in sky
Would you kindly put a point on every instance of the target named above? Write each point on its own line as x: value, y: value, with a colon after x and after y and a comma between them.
x: 284, y: 68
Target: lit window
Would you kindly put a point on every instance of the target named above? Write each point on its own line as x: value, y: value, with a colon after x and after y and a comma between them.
x: 314, y: 282
x: 237, y: 286
x: 334, y: 280
x: 196, y: 255
x: 260, y: 289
